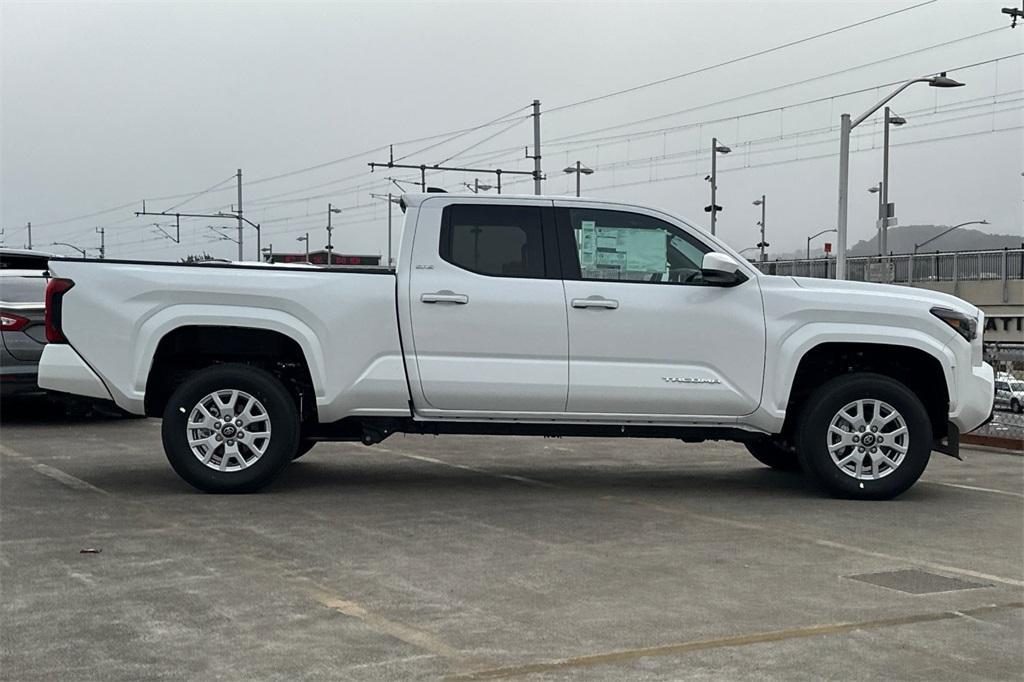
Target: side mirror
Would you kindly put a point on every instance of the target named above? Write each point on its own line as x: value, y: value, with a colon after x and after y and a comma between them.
x: 721, y: 270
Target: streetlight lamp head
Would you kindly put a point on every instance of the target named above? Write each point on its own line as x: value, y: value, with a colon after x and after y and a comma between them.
x: 335, y: 210
x: 943, y: 81
x: 897, y: 120
x: 874, y: 189
x: 757, y: 202
x: 722, y: 149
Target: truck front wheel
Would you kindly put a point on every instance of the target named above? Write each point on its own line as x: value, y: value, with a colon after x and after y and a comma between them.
x: 230, y: 428
x: 864, y: 436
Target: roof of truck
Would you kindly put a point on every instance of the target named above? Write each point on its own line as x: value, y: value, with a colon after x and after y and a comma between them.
x: 416, y: 198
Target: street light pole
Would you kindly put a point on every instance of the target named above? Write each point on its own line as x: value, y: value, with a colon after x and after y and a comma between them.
x: 579, y: 169
x: 877, y: 189
x: 72, y: 246
x: 305, y: 238
x: 945, y: 232
x: 763, y: 203
x: 476, y: 187
x: 816, y: 234
x: 845, y: 126
x: 883, y: 238
x: 716, y: 149
x: 330, y: 246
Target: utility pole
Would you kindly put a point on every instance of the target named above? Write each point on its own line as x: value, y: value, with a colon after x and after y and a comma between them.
x: 391, y: 199
x: 536, y: 147
x: 240, y: 225
x: 29, y: 226
x: 103, y: 240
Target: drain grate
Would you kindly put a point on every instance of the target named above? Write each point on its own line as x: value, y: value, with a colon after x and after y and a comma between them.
x: 916, y: 582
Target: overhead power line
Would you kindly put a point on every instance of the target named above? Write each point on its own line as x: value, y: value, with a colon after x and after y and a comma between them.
x: 199, y: 194
x: 736, y: 60
x: 567, y: 140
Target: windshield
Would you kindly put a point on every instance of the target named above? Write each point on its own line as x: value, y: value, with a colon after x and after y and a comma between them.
x: 1016, y: 385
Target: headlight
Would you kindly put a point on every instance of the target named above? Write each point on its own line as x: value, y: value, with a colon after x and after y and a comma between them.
x: 965, y: 326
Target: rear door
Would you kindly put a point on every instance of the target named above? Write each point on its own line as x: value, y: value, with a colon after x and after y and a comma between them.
x: 487, y: 308
x: 647, y: 336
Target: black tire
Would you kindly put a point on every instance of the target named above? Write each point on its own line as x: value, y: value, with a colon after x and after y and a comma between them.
x: 826, y: 402
x: 1015, y: 406
x: 280, y: 408
x: 305, y: 445
x: 774, y: 454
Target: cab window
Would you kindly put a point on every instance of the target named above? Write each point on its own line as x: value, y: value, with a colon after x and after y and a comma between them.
x: 632, y: 247
x: 501, y: 241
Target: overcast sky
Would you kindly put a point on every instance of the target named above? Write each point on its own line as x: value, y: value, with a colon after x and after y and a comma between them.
x: 108, y: 104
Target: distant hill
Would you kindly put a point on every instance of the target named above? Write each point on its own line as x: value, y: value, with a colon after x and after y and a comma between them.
x: 902, y: 240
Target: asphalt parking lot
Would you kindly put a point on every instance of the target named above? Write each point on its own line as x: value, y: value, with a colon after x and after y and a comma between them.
x: 488, y: 558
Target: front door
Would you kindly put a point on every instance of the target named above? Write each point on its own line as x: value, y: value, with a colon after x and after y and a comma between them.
x: 647, y: 335
x: 488, y: 308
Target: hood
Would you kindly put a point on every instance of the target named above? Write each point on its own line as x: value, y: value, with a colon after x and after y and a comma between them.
x: 896, y: 291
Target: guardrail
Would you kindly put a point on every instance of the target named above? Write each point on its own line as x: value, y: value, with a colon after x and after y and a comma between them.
x: 907, y: 268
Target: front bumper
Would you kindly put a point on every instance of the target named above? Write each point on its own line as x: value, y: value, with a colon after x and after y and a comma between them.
x: 975, y: 393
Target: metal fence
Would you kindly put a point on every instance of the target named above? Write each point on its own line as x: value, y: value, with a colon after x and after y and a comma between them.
x: 908, y: 268
x: 1006, y: 429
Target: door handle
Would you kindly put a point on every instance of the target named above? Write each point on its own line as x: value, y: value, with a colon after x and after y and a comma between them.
x: 595, y: 302
x: 445, y: 296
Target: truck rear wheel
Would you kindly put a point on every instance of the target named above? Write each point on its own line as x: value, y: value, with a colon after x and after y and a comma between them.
x: 864, y: 436
x: 774, y: 454
x: 230, y: 429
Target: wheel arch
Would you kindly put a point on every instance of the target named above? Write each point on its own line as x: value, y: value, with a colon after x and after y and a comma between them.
x: 924, y: 370
x: 191, y: 345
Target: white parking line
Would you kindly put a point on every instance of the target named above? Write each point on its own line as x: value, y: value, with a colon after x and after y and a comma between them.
x: 464, y: 467
x: 977, y: 488
x: 52, y: 472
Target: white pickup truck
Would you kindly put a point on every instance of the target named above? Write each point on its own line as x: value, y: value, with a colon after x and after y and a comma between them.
x: 523, y: 315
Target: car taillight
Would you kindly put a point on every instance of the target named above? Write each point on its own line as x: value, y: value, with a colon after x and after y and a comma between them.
x: 55, y: 291
x: 9, y: 322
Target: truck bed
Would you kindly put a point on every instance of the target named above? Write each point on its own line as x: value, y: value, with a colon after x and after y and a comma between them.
x: 118, y: 312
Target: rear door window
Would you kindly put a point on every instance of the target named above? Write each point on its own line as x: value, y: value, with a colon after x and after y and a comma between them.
x: 500, y: 241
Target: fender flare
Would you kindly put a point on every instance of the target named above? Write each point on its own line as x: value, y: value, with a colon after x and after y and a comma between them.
x: 154, y: 329
x: 779, y: 380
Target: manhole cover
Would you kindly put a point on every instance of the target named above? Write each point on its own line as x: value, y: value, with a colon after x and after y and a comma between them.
x: 916, y: 582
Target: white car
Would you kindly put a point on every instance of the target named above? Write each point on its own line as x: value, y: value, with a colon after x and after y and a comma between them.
x: 1009, y: 394
x: 524, y: 315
